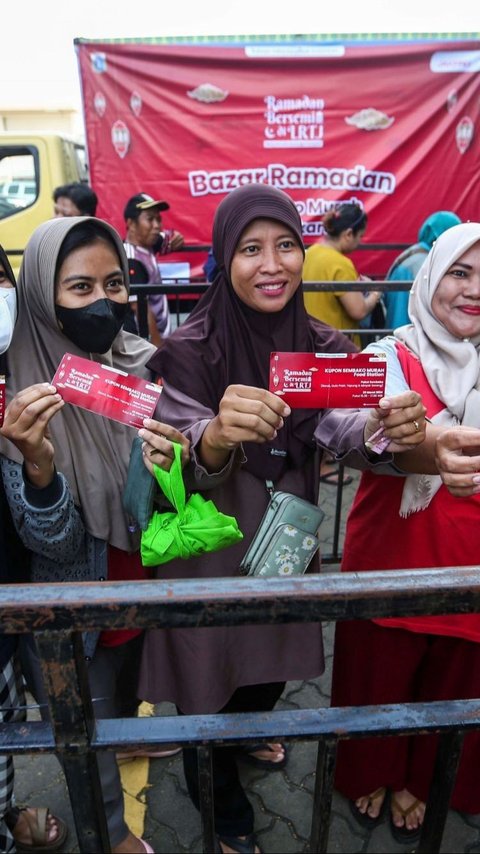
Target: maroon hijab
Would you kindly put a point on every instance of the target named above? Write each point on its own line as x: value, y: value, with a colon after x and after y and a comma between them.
x: 224, y: 342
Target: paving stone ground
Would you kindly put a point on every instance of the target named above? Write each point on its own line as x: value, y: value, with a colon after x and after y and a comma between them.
x: 282, y: 800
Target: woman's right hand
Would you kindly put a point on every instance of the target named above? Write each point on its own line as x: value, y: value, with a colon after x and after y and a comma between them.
x: 246, y: 414
x: 26, y: 425
x: 457, y: 456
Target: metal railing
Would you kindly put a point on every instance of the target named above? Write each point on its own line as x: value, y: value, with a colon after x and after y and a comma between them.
x: 205, y: 247
x: 58, y: 613
x: 181, y: 289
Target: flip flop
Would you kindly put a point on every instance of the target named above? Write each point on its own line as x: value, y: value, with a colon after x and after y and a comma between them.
x: 403, y: 834
x: 363, y: 818
x: 38, y: 826
x: 332, y: 478
x: 245, y: 754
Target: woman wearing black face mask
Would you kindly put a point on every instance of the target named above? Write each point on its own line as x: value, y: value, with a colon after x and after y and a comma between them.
x: 72, y: 296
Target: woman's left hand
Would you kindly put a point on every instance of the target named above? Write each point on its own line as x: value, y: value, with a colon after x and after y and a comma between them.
x: 402, y: 418
x: 157, y: 444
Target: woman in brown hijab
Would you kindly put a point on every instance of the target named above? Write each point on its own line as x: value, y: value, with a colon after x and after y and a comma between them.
x: 215, y: 374
x: 72, y: 297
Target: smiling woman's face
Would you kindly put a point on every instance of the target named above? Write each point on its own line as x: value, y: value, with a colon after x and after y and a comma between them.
x: 456, y: 301
x: 267, y: 266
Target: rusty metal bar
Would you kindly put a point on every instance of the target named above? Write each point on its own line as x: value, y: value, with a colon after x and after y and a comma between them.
x: 71, y: 715
x: 192, y: 287
x: 238, y: 729
x: 234, y: 601
x: 205, y: 790
x: 322, y: 798
x: 446, y: 764
x: 298, y: 725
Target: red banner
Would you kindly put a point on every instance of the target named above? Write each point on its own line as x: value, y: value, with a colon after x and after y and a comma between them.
x: 391, y: 126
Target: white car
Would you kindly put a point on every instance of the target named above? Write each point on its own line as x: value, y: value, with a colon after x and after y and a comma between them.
x: 19, y: 193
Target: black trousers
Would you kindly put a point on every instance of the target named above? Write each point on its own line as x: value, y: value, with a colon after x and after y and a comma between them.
x: 233, y: 811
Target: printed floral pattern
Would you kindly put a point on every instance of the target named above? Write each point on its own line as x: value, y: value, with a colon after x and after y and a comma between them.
x: 291, y: 557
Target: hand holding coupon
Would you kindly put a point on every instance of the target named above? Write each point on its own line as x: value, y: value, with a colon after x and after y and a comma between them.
x: 106, y: 390
x: 327, y: 381
x: 351, y: 381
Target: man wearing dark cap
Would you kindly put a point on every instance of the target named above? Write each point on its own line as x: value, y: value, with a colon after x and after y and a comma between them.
x: 145, y: 237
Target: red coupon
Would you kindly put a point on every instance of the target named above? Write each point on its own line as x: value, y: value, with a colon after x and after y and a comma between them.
x: 328, y: 381
x: 106, y: 390
x: 2, y: 399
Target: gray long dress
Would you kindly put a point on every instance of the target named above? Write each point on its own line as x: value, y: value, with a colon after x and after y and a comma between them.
x: 199, y: 669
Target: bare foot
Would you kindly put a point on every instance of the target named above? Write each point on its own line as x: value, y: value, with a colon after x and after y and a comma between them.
x: 22, y: 831
x: 271, y: 753
x: 407, y: 810
x: 130, y: 845
x: 371, y: 805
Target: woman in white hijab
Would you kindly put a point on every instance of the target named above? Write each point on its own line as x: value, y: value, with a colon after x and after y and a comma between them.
x: 414, y: 522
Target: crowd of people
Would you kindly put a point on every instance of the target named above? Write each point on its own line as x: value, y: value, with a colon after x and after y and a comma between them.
x: 64, y: 470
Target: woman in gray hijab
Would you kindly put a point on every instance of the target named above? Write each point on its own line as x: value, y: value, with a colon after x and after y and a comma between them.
x: 72, y: 297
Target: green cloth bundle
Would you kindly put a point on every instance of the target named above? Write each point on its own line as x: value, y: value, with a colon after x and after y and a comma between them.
x: 196, y: 526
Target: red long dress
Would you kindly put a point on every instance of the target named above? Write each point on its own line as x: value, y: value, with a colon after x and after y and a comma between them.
x: 407, y: 659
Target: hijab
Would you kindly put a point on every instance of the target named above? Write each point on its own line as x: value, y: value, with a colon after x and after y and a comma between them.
x: 9, y: 274
x: 435, y: 225
x: 226, y: 342
x: 451, y: 365
x: 91, y: 451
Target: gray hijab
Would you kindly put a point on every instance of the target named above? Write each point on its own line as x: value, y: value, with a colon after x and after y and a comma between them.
x: 451, y: 365
x: 91, y: 451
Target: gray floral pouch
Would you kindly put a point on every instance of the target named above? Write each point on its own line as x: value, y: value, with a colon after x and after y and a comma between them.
x: 286, y: 540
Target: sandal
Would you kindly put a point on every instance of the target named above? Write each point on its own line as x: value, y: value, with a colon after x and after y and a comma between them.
x: 38, y: 826
x: 403, y: 834
x: 249, y: 845
x: 246, y: 754
x: 364, y: 818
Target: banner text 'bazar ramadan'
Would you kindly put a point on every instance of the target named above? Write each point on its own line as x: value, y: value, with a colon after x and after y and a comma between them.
x: 390, y: 125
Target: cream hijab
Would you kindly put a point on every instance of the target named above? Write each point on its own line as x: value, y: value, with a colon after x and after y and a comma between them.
x: 91, y: 451
x: 451, y: 365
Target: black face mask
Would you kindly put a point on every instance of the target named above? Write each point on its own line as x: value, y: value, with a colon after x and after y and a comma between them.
x: 93, y: 327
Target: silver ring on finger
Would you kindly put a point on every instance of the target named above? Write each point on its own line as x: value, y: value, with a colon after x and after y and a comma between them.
x: 416, y: 425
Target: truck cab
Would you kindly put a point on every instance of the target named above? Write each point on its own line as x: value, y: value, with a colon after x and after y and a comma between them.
x: 31, y: 166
